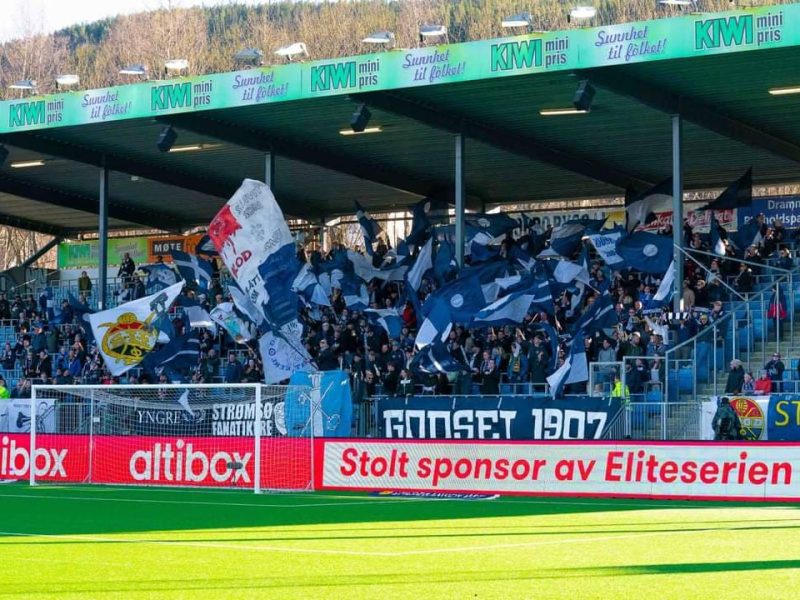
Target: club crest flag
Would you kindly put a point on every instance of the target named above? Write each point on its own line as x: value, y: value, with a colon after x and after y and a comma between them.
x: 246, y: 232
x: 281, y: 359
x: 126, y: 334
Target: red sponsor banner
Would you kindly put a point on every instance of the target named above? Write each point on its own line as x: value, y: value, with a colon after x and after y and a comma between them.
x: 147, y: 460
x: 703, y: 471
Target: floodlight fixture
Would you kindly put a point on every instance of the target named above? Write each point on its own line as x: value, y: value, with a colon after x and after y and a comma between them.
x: 67, y: 80
x: 784, y: 91
x: 176, y: 64
x: 427, y: 32
x: 360, y: 118
x: 373, y: 129
x: 382, y: 38
x: 292, y: 51
x: 581, y: 13
x: 249, y: 56
x: 557, y: 112
x: 23, y: 84
x: 135, y: 70
x: 26, y: 164
x: 584, y: 96
x: 167, y: 138
x: 521, y: 20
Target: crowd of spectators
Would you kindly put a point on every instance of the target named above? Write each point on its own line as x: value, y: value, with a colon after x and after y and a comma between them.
x: 339, y: 338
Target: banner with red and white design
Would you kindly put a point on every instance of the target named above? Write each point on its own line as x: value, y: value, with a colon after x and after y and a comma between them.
x: 689, y: 470
x: 149, y: 460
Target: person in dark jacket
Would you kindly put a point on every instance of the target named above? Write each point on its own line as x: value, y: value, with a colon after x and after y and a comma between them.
x: 233, y: 369
x: 490, y: 375
x: 726, y: 422
x: 775, y: 369
x: 326, y: 359
x: 735, y: 378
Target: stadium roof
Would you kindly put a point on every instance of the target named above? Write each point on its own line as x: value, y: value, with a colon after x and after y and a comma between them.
x: 713, y: 69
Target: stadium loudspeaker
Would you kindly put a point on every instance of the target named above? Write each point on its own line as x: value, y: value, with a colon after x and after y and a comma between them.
x: 583, y: 95
x: 166, y: 139
x: 360, y: 118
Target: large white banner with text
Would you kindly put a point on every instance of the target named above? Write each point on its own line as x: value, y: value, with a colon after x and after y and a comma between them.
x: 720, y: 470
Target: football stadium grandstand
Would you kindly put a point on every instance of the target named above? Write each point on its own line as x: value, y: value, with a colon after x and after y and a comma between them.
x: 363, y: 243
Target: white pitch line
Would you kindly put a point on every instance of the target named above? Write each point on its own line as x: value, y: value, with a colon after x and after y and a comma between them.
x: 209, y: 545
x: 261, y: 548
x: 201, y: 503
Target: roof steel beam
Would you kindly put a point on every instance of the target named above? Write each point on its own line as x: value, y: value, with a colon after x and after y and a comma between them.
x: 504, y: 140
x: 87, y: 204
x: 90, y: 156
x: 706, y: 116
x: 235, y: 133
x: 188, y: 181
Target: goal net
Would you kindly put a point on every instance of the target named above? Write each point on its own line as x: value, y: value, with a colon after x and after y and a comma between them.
x: 167, y: 435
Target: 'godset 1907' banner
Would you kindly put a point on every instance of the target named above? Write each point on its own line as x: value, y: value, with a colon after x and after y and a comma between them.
x: 497, y: 418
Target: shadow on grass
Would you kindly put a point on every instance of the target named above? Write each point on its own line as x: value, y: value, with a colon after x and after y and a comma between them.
x: 53, y: 510
x: 400, y: 579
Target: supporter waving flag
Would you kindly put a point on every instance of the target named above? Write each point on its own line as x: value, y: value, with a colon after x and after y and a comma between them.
x: 159, y: 277
x: 646, y: 252
x: 193, y: 268
x: 739, y: 194
x: 369, y: 227
x: 435, y: 359
x: 254, y: 242
x: 640, y: 208
x: 575, y: 368
x: 126, y: 334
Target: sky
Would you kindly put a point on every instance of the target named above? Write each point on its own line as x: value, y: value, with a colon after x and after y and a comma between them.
x: 46, y: 16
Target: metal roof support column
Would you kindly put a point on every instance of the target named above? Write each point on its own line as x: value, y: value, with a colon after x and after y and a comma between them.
x: 322, y: 236
x: 677, y: 209
x: 102, y: 228
x: 269, y: 169
x: 460, y: 197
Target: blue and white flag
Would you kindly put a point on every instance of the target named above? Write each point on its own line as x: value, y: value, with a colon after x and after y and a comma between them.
x: 739, y: 194
x: 354, y: 292
x: 240, y: 328
x: 159, y: 277
x: 606, y: 245
x: 206, y: 247
x: 199, y: 318
x: 718, y: 237
x: 435, y: 359
x: 600, y: 315
x: 640, y: 208
x: 665, y: 289
x: 388, y: 318
x: 193, y: 268
x: 574, y: 370
x: 307, y: 284
x: 126, y: 333
x: 254, y: 242
x: 748, y: 235
x: 444, y: 264
x: 533, y: 292
x: 422, y: 264
x: 369, y: 227
x: 180, y: 354
x: 493, y: 225
x: 436, y: 326
x: 281, y: 359
x: 646, y: 252
x: 463, y: 297
x: 565, y: 239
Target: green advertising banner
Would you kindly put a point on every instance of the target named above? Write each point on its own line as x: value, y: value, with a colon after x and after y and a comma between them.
x: 85, y: 255
x: 681, y: 37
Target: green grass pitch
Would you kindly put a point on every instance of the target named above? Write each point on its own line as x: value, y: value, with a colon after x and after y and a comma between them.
x: 133, y: 543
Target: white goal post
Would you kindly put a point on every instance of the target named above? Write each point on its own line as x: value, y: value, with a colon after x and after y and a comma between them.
x: 198, y: 435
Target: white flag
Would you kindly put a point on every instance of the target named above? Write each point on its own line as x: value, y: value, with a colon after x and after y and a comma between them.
x: 281, y: 359
x: 125, y: 334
